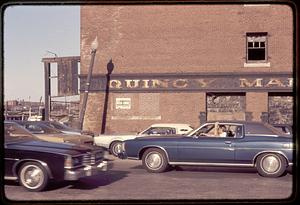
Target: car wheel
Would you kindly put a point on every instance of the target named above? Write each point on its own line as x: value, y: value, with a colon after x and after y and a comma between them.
x: 115, y: 148
x: 155, y: 160
x: 33, y: 176
x: 271, y: 165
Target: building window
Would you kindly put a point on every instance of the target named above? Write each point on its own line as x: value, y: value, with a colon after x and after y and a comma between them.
x: 257, y: 47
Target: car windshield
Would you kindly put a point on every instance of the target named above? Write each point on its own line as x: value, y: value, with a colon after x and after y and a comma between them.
x: 14, y: 132
x: 60, y: 126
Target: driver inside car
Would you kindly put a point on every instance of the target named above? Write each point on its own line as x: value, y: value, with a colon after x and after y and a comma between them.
x: 222, y: 131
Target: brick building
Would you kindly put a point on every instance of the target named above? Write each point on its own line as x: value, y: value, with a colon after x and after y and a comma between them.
x: 187, y: 64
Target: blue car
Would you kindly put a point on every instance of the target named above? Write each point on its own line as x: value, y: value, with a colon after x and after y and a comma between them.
x: 222, y: 143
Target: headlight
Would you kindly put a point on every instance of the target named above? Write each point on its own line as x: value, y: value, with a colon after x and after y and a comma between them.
x: 68, y: 162
x: 71, y: 162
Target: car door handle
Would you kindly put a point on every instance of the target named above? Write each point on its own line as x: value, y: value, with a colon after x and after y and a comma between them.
x: 227, y: 142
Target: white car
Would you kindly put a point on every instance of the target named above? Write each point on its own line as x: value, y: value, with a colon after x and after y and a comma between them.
x: 114, y: 142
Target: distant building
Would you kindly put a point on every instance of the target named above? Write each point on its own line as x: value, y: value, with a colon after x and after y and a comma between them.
x: 22, y: 110
x: 188, y: 64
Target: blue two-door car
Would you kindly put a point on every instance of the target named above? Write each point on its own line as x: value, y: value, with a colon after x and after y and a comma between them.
x: 244, y: 144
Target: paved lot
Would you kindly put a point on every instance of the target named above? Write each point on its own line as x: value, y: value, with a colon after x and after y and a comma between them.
x: 129, y: 181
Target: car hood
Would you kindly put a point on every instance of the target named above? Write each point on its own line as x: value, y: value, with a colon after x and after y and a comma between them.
x: 45, y: 146
x: 72, y: 138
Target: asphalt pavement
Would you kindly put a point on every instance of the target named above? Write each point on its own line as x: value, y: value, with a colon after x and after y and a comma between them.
x: 127, y: 180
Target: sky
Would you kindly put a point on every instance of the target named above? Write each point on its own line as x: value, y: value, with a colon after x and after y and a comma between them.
x: 29, y: 32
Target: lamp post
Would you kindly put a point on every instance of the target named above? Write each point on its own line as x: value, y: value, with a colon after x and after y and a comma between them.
x: 94, y: 47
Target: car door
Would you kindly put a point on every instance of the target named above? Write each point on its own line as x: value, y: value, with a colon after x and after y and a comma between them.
x: 207, y: 149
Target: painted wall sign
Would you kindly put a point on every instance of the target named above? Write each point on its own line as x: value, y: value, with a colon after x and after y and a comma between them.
x: 230, y: 82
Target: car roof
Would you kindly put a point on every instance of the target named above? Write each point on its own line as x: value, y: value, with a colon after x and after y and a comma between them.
x: 170, y: 125
x: 236, y: 121
x: 252, y: 127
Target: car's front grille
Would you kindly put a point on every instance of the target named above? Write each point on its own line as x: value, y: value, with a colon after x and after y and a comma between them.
x: 86, y: 159
x: 92, y: 158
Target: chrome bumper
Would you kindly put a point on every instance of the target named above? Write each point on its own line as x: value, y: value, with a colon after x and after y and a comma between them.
x: 76, y: 174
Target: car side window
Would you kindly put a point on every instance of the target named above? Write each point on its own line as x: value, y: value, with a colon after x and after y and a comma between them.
x: 34, y: 129
x: 239, y: 131
x: 220, y: 130
x: 161, y: 131
x: 205, y: 130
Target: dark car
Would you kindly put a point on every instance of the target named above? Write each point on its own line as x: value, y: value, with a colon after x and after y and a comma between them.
x: 42, y: 130
x: 66, y: 129
x: 34, y: 162
x: 244, y: 144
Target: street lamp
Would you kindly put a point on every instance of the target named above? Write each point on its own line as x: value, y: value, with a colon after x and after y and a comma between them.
x: 94, y: 47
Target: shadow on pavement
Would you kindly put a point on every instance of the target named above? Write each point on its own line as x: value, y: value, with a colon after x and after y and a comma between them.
x: 215, y: 169
x: 206, y: 169
x: 137, y: 167
x: 92, y: 182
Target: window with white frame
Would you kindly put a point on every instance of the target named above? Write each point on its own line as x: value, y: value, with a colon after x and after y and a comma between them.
x: 257, y: 47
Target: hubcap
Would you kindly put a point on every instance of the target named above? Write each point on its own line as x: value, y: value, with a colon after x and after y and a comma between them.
x: 32, y: 176
x: 271, y: 164
x: 153, y: 160
x: 117, y: 148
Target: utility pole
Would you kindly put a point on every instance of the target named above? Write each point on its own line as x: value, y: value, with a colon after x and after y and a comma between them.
x: 29, y: 112
x: 47, y: 90
x: 94, y: 47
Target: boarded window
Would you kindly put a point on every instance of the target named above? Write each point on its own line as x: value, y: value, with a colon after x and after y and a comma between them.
x: 222, y: 106
x: 280, y: 109
x: 67, y: 77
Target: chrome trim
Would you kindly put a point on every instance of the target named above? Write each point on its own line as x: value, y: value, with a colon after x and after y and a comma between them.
x: 15, y: 159
x: 261, y: 135
x: 87, y: 171
x: 135, y: 158
x: 10, y: 178
x: 154, y: 146
x: 212, y: 164
x: 44, y: 164
x: 251, y: 148
x: 269, y: 151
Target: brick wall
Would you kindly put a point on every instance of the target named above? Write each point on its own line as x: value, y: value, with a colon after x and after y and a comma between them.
x: 178, y: 38
x: 183, y: 38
